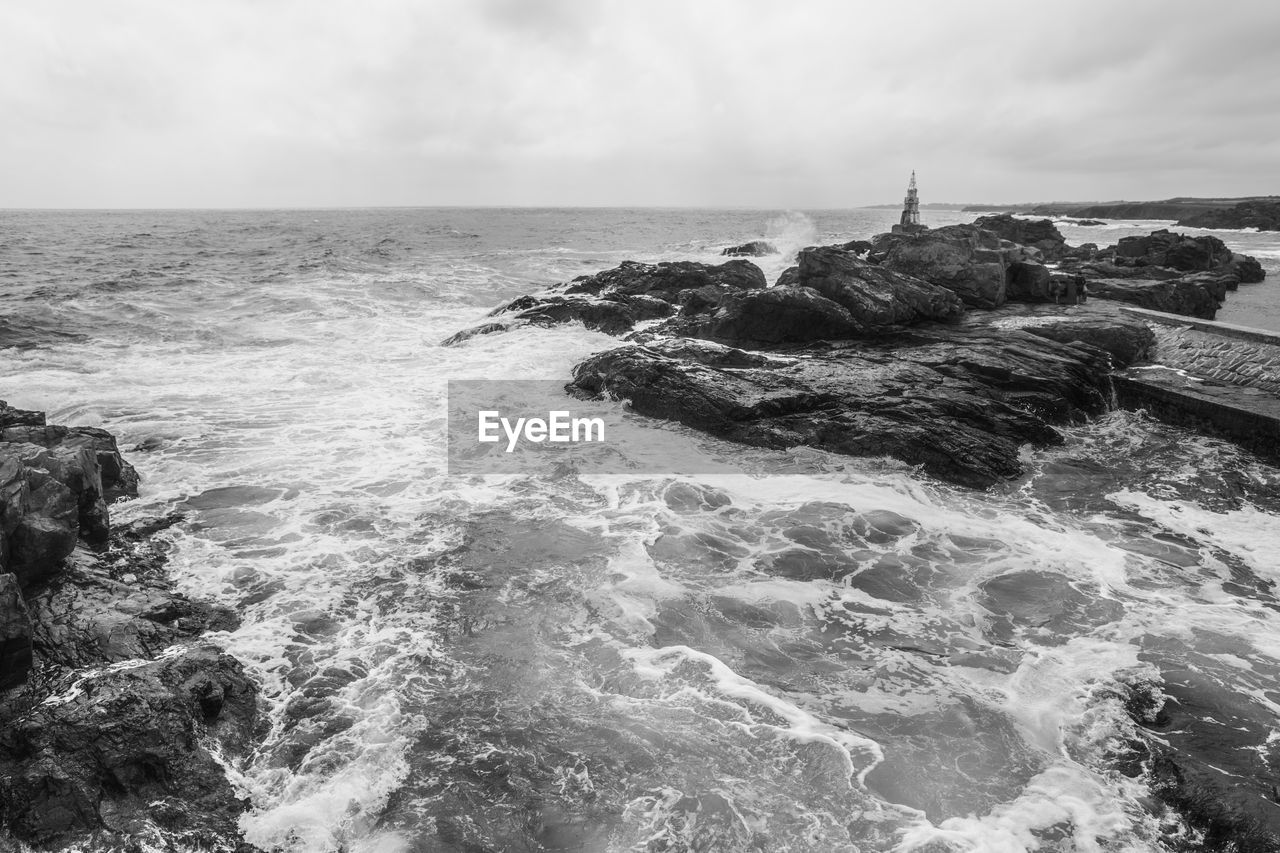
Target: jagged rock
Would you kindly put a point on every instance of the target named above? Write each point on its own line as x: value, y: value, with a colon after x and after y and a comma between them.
x: 1164, y: 248
x: 615, y: 300
x: 1174, y: 296
x: 858, y: 247
x: 1211, y: 758
x: 666, y: 280
x: 15, y: 634
x: 1126, y: 341
x: 124, y: 746
x: 958, y: 401
x: 1041, y: 234
x: 962, y: 258
x: 752, y: 249
x: 10, y: 416
x: 875, y: 296
x: 48, y: 525
x: 778, y: 315
x: 85, y: 616
x: 1029, y: 282
x: 474, y: 331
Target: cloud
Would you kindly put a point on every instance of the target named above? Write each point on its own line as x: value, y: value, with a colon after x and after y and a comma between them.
x: 720, y: 102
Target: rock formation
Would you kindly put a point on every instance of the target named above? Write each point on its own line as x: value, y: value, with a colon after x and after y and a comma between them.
x: 109, y: 702
x: 752, y: 249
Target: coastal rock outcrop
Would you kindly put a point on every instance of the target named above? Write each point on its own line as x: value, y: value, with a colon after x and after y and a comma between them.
x: 615, y: 300
x: 122, y: 749
x: 109, y: 701
x: 1040, y: 234
x: 751, y: 249
x: 875, y: 296
x: 964, y: 259
x: 957, y: 401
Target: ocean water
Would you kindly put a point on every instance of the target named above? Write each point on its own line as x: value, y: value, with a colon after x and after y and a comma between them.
x: 627, y: 663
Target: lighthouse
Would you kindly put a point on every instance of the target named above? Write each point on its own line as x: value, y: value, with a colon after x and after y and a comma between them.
x: 910, y: 221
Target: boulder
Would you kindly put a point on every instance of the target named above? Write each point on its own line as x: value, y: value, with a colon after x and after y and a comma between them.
x: 1173, y: 296
x: 962, y: 258
x: 15, y: 634
x: 122, y: 747
x: 1164, y: 248
x: 875, y: 296
x: 10, y: 416
x: 778, y: 315
x: 1029, y: 282
x: 1041, y: 234
x: 1126, y: 341
x: 752, y: 249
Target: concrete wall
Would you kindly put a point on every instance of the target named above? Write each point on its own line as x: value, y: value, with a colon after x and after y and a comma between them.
x: 1232, y: 354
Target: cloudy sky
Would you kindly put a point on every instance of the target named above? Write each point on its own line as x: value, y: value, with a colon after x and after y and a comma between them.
x: 755, y: 103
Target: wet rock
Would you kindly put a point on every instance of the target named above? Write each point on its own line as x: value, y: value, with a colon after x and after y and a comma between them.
x: 876, y: 297
x: 1126, y: 341
x: 1173, y: 296
x: 10, y: 417
x: 85, y: 617
x: 615, y: 300
x: 125, y: 745
x: 1164, y: 248
x: 1030, y: 282
x: 1041, y: 234
x: 754, y: 248
x: 779, y: 315
x: 958, y: 402
x: 1210, y: 756
x: 962, y: 258
x: 15, y: 634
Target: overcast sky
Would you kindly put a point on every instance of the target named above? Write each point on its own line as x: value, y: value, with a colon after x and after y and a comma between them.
x: 756, y: 103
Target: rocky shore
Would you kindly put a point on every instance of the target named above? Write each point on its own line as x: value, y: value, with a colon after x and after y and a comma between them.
x: 948, y: 350
x: 115, y: 716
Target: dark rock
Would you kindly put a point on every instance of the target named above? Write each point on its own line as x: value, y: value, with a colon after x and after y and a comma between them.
x: 48, y: 525
x: 10, y: 416
x: 1210, y: 756
x: 1164, y: 248
x: 1174, y: 296
x: 778, y: 315
x: 88, y: 616
x: 122, y: 747
x: 1029, y: 282
x: 957, y: 401
x: 962, y: 258
x: 615, y: 300
x: 15, y: 634
x: 858, y: 247
x: 875, y: 296
x: 1263, y: 215
x: 1041, y: 234
x: 1082, y: 222
x: 468, y: 334
x: 666, y: 280
x: 755, y: 248
x: 1126, y: 341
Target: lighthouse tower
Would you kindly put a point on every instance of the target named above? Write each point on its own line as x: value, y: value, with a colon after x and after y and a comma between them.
x: 910, y: 221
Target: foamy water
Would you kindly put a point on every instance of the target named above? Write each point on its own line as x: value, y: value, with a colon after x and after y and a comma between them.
x: 815, y: 654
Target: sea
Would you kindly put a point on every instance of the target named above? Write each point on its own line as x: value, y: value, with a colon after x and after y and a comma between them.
x: 549, y: 661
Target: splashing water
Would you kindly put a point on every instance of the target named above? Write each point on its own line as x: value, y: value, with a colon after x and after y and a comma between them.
x: 817, y: 654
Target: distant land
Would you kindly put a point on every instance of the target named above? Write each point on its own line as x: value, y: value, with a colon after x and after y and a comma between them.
x: 1173, y: 208
x: 1259, y: 211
